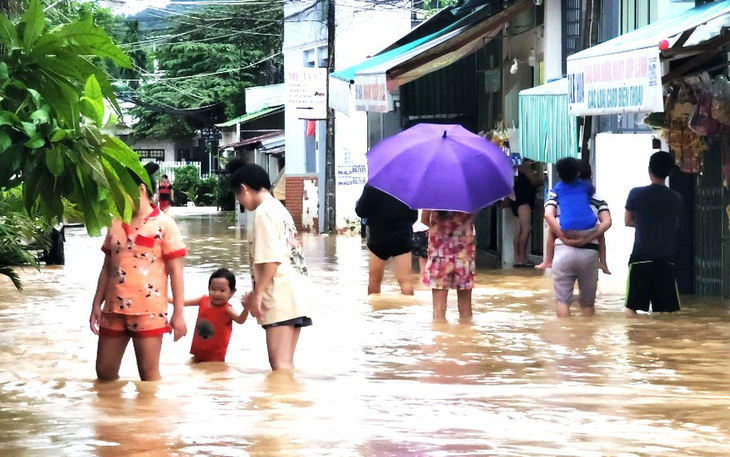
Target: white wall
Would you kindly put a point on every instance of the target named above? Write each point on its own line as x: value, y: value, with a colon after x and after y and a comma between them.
x: 622, y: 161
x: 301, y: 32
x: 167, y: 145
x: 552, y: 42
x: 361, y: 33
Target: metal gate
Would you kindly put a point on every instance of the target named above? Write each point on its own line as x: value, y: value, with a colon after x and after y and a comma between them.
x: 709, y: 225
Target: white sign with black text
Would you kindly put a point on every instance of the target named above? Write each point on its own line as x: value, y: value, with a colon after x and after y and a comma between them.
x: 625, y: 82
x: 306, y: 92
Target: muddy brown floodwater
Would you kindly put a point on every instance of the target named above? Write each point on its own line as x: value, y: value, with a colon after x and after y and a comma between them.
x: 375, y: 376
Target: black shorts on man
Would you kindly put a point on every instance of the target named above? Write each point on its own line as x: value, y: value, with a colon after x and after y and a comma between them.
x: 652, y: 281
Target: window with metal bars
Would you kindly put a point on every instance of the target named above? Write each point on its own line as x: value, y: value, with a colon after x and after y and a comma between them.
x: 571, y: 11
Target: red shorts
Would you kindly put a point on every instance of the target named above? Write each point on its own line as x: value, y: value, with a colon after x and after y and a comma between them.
x: 135, y: 325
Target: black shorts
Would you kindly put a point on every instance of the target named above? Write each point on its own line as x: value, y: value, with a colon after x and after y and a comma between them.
x: 384, y: 251
x: 297, y: 322
x: 515, y: 204
x: 654, y: 282
x: 420, y: 244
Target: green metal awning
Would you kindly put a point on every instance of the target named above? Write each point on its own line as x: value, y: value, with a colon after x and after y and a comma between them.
x: 547, y: 132
x: 397, y: 55
x: 250, y: 117
x: 376, y: 78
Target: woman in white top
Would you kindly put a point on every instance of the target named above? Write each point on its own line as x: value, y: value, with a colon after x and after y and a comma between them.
x: 279, y: 299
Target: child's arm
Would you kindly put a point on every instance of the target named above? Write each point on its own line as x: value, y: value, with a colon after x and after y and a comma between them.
x: 235, y: 317
x: 174, y: 268
x: 264, y: 278
x: 99, y: 295
x: 186, y: 302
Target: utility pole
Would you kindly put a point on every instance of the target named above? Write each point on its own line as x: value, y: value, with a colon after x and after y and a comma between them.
x: 330, y: 216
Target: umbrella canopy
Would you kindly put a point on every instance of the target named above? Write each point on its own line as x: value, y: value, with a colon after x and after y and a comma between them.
x: 440, y: 167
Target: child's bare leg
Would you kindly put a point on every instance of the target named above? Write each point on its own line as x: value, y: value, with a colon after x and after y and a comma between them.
x: 602, y: 255
x: 464, y: 301
x: 281, y: 342
x: 547, y: 261
x: 439, y: 303
x: 109, y: 354
x: 148, y: 351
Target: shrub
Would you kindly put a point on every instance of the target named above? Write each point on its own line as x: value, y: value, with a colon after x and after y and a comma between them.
x: 186, y: 184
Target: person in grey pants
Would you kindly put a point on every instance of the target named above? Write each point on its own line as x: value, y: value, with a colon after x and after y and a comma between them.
x: 576, y: 257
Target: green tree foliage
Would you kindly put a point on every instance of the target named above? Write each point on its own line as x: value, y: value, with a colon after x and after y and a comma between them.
x: 53, y: 106
x: 213, y: 56
x: 18, y: 232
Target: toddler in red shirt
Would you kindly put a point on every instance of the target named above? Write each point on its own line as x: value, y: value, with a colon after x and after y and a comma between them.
x: 215, y: 318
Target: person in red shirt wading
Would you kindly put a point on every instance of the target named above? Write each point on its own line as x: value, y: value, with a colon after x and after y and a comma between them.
x: 165, y: 194
x: 215, y: 318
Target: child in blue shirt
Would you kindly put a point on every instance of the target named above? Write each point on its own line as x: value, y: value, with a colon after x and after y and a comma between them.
x: 577, y: 205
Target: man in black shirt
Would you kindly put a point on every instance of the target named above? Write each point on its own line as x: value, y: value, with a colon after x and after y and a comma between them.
x: 389, y: 234
x: 654, y: 211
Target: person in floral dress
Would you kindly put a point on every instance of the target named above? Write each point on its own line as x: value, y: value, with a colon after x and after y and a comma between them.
x: 451, y: 259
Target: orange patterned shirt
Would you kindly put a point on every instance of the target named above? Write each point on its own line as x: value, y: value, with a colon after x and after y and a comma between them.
x: 138, y: 279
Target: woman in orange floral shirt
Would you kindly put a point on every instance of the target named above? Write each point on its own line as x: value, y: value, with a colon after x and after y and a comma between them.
x: 132, y: 286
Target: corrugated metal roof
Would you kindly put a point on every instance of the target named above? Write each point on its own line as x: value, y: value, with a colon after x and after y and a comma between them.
x: 437, y: 50
x: 253, y: 140
x: 250, y: 117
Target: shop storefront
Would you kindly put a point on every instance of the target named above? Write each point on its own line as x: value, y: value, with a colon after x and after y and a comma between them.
x: 448, y: 70
x: 675, y: 72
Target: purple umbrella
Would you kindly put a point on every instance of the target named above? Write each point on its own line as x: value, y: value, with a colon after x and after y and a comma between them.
x: 440, y: 167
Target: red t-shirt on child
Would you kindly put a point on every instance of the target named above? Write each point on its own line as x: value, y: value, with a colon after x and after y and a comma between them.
x: 212, y: 332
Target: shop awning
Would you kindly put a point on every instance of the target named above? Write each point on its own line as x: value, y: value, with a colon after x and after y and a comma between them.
x: 624, y: 75
x: 547, y: 132
x: 252, y: 116
x: 374, y: 79
x: 255, y: 140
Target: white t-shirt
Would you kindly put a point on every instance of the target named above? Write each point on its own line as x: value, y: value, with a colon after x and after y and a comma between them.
x: 272, y: 237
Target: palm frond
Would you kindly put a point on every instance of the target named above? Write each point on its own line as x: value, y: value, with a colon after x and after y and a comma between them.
x: 10, y: 273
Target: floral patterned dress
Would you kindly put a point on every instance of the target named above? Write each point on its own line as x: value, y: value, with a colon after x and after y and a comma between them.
x: 451, y: 251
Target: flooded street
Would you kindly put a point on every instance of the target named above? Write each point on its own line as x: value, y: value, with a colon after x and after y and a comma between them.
x: 375, y: 376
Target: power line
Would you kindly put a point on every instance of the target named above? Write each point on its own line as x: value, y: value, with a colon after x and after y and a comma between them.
x: 203, y: 75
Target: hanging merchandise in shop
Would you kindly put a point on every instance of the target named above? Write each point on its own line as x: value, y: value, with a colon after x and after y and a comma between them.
x: 696, y: 111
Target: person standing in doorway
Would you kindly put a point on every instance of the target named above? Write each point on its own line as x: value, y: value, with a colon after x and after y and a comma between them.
x: 525, y: 189
x: 389, y: 235
x: 654, y: 212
